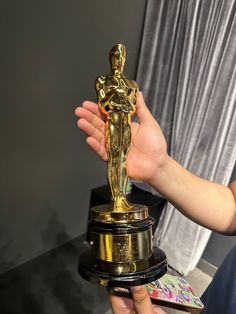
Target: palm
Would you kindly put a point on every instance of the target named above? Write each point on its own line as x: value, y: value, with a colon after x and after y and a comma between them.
x: 146, y: 151
x: 148, y: 145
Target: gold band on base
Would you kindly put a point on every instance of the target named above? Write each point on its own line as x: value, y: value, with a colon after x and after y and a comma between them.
x: 118, y: 248
x: 122, y: 268
x: 105, y: 213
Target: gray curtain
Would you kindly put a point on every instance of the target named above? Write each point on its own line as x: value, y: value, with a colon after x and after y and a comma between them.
x: 187, y: 72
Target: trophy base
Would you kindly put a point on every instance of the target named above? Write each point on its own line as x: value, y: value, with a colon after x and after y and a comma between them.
x: 106, y: 214
x: 88, y: 269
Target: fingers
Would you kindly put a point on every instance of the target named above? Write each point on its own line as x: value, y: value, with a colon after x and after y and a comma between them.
x: 91, y: 113
x: 91, y: 106
x: 157, y: 310
x: 140, y: 304
x: 92, y: 124
x: 121, y: 305
x: 142, y: 111
x: 92, y: 131
x: 98, y: 148
x: 141, y: 299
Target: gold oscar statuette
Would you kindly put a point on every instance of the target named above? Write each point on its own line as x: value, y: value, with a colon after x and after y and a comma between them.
x: 120, y: 250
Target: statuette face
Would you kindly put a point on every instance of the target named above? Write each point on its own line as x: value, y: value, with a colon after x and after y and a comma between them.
x: 117, y: 100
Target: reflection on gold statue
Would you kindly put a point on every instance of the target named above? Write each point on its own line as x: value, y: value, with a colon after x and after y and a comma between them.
x: 117, y: 100
x: 120, y: 234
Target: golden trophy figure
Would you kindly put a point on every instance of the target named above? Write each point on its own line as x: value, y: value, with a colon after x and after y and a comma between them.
x: 120, y: 251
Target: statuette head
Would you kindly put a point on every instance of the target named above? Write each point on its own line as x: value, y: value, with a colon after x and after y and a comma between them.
x: 117, y: 57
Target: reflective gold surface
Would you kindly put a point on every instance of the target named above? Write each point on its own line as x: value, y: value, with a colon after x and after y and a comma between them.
x: 106, y: 214
x: 120, y: 268
x: 117, y: 100
x: 122, y: 247
x: 120, y: 232
x: 119, y: 250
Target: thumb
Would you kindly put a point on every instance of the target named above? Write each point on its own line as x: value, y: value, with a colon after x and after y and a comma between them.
x: 141, y: 299
x: 142, y: 111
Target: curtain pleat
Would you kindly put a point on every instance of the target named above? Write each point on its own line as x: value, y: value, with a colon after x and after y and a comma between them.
x: 187, y: 74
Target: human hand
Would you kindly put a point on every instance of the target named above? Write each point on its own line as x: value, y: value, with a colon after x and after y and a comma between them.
x: 148, y: 149
x: 140, y: 304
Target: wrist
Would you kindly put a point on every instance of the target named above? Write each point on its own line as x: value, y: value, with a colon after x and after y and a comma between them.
x: 161, y: 173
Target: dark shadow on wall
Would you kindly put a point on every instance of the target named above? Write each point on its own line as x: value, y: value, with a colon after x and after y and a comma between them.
x: 63, y: 280
x: 5, y: 263
x: 16, y: 295
x: 32, y: 304
x: 50, y: 283
x: 3, y: 249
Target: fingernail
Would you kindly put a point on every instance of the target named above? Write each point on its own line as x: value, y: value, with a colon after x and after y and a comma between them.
x: 136, y: 288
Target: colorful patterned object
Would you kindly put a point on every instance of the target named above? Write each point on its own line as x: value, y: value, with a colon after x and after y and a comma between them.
x: 176, y: 290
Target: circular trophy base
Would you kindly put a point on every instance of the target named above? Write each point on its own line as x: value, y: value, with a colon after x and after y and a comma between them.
x: 106, y: 214
x: 88, y: 269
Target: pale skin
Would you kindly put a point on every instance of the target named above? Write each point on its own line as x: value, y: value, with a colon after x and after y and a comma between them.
x: 140, y: 304
x: 207, y: 203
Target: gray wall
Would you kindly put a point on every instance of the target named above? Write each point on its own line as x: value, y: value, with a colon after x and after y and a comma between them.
x: 51, y: 52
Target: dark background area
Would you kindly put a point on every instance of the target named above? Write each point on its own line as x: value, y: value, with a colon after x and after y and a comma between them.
x: 51, y: 53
